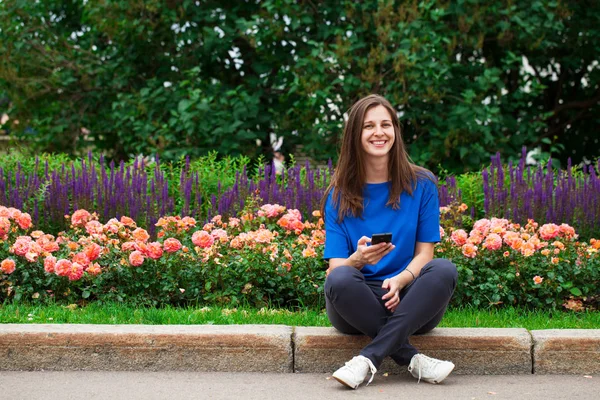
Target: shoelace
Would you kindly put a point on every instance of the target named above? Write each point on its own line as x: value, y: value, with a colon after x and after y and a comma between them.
x: 369, y: 363
x: 427, y: 365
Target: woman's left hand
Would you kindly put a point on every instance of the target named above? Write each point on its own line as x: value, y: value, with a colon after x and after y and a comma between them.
x: 393, y: 294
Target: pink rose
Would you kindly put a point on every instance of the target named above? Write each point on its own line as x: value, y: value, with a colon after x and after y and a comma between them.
x: 80, y: 218
x: 154, y: 250
x: 493, y: 242
x: 92, y: 251
x: 171, y: 245
x: 24, y: 221
x: 202, y: 239
x: 549, y: 231
x: 459, y: 237
x: 62, y: 267
x: 136, y: 258
x: 49, y: 264
x: 76, y: 271
x: 469, y: 250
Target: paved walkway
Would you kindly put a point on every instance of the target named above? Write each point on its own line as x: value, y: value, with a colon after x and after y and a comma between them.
x: 223, y: 385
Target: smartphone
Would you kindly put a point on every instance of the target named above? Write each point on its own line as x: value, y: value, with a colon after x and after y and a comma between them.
x: 381, y: 238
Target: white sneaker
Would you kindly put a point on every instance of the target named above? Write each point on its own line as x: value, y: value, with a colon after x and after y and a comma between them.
x: 355, y: 371
x: 429, y: 369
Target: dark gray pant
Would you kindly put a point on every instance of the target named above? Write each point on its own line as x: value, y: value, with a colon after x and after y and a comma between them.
x: 355, y: 306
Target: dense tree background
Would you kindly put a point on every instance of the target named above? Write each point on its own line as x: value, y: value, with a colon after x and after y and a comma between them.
x: 175, y: 77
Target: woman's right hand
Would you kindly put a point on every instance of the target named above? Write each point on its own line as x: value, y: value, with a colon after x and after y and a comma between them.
x: 366, y: 254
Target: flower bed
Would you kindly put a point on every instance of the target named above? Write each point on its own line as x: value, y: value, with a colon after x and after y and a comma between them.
x: 266, y: 257
x: 271, y: 256
x: 501, y: 262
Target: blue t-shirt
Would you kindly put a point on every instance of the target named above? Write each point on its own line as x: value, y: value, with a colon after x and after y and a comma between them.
x: 417, y: 220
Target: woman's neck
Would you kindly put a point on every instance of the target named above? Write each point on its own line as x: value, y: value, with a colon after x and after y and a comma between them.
x: 377, y: 171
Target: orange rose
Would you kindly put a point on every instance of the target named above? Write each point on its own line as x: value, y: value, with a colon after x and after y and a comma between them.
x: 82, y: 259
x: 475, y: 237
x: 482, y: 226
x: 128, y: 246
x: 24, y: 221
x: 49, y: 264
x: 513, y: 239
x: 7, y: 266
x: 92, y: 251
x: 549, y: 231
x: 127, y: 221
x: 202, y: 239
x: 4, y: 227
x: 154, y: 250
x: 188, y: 221
x: 31, y: 256
x: 48, y: 245
x: 21, y: 245
x: 80, y: 218
x: 469, y: 250
x: 459, y: 237
x: 493, y: 242
x: 527, y: 249
x: 220, y: 235
x: 62, y: 267
x: 309, y: 252
x: 76, y: 271
x: 94, y: 228
x: 567, y: 231
x: 263, y: 236
x: 94, y: 269
x: 171, y: 245
x: 140, y: 235
x: 136, y: 258
x: 537, y: 279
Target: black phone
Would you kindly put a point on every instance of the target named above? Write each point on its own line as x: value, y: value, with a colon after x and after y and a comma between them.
x: 381, y: 238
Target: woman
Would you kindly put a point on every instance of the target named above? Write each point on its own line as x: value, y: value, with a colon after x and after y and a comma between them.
x: 387, y: 291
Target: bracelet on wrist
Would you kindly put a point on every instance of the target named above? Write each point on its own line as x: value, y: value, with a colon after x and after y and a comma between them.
x: 410, y: 272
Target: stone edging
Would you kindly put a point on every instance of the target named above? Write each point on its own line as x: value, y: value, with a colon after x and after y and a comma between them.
x: 277, y: 348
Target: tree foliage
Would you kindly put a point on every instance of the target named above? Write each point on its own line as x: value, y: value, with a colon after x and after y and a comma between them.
x: 178, y: 77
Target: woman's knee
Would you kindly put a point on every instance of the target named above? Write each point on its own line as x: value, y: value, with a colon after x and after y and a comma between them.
x: 443, y: 268
x: 342, y: 277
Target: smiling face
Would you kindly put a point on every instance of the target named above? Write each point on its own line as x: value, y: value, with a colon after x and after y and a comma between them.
x: 377, y: 137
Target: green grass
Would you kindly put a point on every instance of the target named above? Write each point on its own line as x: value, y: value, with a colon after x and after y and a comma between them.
x: 126, y: 314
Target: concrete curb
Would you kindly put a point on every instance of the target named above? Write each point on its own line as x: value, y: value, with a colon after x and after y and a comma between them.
x: 235, y: 348
x: 566, y: 351
x: 277, y: 348
x: 474, y: 351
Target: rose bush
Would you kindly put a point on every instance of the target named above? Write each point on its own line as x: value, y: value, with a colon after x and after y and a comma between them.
x: 270, y: 256
x: 500, y: 262
x: 265, y: 257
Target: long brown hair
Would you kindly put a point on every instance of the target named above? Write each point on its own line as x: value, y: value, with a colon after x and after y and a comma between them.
x: 349, y: 178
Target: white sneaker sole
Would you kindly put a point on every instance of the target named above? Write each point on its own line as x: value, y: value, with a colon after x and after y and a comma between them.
x: 340, y: 380
x: 439, y: 379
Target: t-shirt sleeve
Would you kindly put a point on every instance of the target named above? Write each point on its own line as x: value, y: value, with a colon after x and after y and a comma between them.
x: 428, y: 229
x: 336, y: 239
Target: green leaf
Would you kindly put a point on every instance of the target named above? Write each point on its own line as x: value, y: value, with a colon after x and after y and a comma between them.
x: 576, y: 292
